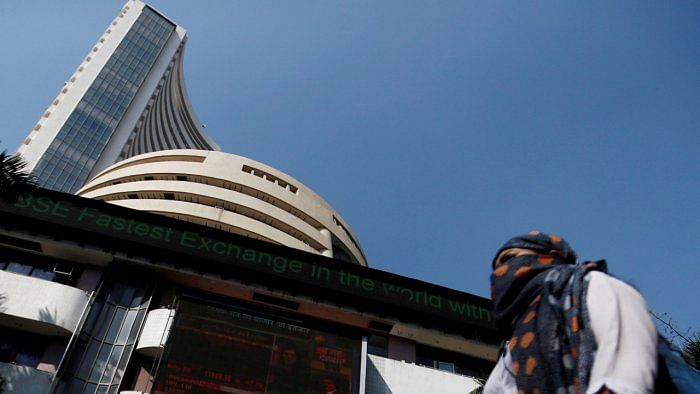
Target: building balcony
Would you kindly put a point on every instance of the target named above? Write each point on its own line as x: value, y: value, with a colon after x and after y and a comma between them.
x: 155, y: 332
x: 385, y: 376
x: 40, y: 306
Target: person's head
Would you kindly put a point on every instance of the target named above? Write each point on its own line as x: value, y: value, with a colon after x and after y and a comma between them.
x: 534, y: 243
x: 289, y: 356
x: 519, y: 267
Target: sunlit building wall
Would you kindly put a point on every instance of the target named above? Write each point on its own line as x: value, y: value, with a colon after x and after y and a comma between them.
x: 230, y: 193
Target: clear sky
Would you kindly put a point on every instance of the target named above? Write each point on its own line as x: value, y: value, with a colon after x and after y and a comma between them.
x: 437, y: 130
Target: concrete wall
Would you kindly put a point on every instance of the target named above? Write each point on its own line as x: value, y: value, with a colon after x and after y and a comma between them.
x: 385, y: 376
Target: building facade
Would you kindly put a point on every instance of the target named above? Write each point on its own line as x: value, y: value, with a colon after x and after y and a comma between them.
x: 180, y: 269
x: 126, y: 97
x: 230, y: 193
x: 100, y: 298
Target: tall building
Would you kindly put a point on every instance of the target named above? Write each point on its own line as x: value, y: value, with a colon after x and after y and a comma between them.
x: 127, y: 97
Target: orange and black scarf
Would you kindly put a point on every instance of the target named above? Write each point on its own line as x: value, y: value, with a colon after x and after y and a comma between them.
x: 540, y: 305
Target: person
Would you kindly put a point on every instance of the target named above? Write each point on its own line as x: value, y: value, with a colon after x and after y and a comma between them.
x: 567, y: 327
x: 287, y: 378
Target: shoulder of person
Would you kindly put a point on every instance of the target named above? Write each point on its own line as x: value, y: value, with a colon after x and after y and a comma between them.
x: 603, y: 282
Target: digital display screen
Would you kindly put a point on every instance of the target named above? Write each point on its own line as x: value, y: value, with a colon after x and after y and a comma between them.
x: 215, y: 349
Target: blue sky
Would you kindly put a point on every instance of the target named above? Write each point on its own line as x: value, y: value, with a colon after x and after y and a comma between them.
x: 438, y: 131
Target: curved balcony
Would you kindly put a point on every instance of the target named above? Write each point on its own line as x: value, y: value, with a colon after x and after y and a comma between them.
x: 40, y: 306
x: 155, y: 332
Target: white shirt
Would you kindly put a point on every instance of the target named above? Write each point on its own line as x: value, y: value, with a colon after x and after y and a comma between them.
x: 625, y: 361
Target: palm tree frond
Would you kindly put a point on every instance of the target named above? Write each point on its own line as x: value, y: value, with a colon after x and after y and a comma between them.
x: 12, y: 173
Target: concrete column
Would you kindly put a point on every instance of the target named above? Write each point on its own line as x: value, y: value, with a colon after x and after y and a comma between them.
x: 329, y: 242
x: 401, y: 349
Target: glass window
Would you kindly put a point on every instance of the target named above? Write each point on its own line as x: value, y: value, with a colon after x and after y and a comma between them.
x: 445, y: 366
x: 137, y: 327
x: 103, y: 321
x: 122, y: 364
x: 126, y: 295
x: 29, y: 356
x: 45, y: 273
x: 77, y: 353
x: 19, y: 268
x: 88, y: 360
x: 7, y: 350
x: 137, y: 299
x: 73, y: 386
x: 126, y: 327
x: 112, y: 364
x: 116, y: 325
x: 100, y: 362
x: 130, y: 62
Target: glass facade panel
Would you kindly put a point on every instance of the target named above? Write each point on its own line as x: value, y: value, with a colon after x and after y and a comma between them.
x: 43, y: 273
x: 77, y: 353
x: 128, y: 324
x: 89, y: 359
x: 116, y: 325
x: 122, y: 364
x: 103, y: 321
x: 112, y: 364
x: 19, y: 268
x: 135, y: 330
x: 102, y: 367
x: 21, y: 348
x: 92, y: 317
x: 100, y: 362
x: 71, y: 155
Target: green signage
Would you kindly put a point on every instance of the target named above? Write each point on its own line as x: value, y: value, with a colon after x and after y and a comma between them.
x: 116, y: 222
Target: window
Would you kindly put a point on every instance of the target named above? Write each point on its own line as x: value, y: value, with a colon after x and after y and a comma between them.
x: 106, y: 341
x: 40, y: 267
x: 17, y: 347
x: 118, y: 80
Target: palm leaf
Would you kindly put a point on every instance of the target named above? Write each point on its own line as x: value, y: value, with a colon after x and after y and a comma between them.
x: 12, y: 173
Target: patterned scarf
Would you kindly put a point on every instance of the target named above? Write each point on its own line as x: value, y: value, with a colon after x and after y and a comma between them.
x: 540, y: 304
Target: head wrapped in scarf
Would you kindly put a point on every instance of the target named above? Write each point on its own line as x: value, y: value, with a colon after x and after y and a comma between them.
x: 539, y: 302
x: 541, y: 243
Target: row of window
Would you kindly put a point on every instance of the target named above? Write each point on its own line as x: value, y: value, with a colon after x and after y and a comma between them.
x: 235, y: 208
x: 21, y: 348
x: 89, y: 127
x: 54, y: 271
x: 270, y: 177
